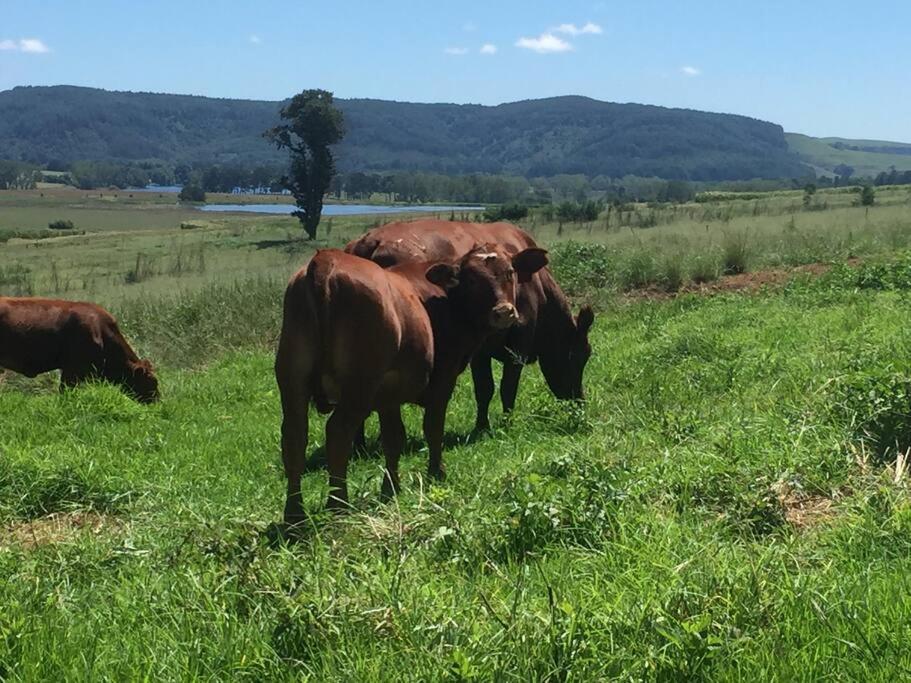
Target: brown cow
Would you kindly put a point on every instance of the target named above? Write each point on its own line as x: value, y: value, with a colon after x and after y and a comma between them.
x: 356, y: 338
x: 546, y: 332
x: 82, y: 340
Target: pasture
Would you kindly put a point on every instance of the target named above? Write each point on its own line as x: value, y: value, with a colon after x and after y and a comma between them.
x: 731, y: 503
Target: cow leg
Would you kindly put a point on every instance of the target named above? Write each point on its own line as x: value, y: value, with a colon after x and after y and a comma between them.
x: 295, y: 434
x: 434, y: 423
x: 292, y: 372
x: 360, y: 438
x: 71, y: 377
x: 340, y: 432
x: 392, y: 434
x: 509, y: 385
x: 482, y: 378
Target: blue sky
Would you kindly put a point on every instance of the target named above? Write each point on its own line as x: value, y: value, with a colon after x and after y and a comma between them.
x: 821, y: 68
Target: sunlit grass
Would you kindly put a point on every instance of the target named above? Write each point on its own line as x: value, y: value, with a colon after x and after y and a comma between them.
x: 652, y: 535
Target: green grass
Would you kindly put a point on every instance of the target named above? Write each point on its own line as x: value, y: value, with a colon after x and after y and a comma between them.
x: 649, y: 536
x: 128, y: 248
x: 728, y: 505
x: 819, y: 152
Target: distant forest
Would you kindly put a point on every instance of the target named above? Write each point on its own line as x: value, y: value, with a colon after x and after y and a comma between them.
x: 57, y: 126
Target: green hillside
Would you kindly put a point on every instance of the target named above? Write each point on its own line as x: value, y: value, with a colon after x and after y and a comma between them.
x: 532, y: 138
x: 866, y: 157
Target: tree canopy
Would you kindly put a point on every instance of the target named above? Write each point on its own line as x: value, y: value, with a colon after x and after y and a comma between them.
x: 313, y: 125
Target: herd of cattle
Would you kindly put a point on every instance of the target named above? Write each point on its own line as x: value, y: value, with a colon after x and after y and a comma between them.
x: 392, y: 319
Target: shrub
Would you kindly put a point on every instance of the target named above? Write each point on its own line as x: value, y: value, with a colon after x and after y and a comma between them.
x: 578, y: 213
x: 61, y: 225
x: 736, y: 253
x: 867, y: 196
x: 703, y: 268
x: 192, y: 192
x: 672, y: 272
x: 640, y: 270
x: 507, y: 212
x: 581, y: 267
x: 876, y: 408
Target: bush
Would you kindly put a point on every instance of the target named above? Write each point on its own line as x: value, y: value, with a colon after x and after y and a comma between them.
x: 61, y: 225
x: 581, y: 267
x: 876, y: 408
x: 672, y: 272
x: 192, y: 192
x: 578, y: 213
x: 867, y: 196
x: 703, y: 268
x: 507, y: 212
x: 736, y: 253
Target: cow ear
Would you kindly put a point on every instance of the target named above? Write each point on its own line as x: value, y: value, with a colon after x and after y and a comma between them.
x: 528, y: 262
x: 443, y: 275
x: 585, y: 319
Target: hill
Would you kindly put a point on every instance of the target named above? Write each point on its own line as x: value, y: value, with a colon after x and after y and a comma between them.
x: 533, y: 138
x: 866, y: 157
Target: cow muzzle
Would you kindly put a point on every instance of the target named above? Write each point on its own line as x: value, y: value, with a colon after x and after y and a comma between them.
x: 503, y: 316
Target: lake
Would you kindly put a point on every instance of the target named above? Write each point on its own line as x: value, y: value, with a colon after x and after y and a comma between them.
x: 335, y: 209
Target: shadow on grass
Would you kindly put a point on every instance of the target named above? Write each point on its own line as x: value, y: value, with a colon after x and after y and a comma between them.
x: 373, y: 449
x: 289, y: 245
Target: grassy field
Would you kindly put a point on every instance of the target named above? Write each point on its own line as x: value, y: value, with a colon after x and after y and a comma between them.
x: 820, y: 153
x: 145, y: 244
x: 149, y: 246
x: 731, y: 503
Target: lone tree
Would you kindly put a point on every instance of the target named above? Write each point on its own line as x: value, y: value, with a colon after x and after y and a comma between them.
x: 312, y: 125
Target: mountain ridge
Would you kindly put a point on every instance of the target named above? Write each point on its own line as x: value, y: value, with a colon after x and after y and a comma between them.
x: 533, y: 137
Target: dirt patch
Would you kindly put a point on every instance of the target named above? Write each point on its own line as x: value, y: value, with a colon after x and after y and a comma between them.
x: 58, y: 527
x: 742, y: 282
x: 804, y: 510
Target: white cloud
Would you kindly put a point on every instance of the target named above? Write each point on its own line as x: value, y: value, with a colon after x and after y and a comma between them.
x: 690, y: 71
x: 31, y: 45
x: 573, y: 30
x: 546, y: 43
x: 255, y: 39
x: 457, y: 51
x: 488, y: 49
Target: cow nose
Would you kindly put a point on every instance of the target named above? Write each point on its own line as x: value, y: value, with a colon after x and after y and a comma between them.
x: 503, y: 316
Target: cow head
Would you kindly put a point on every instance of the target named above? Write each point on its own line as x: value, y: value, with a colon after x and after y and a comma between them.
x: 482, y: 286
x: 563, y: 357
x: 142, y: 382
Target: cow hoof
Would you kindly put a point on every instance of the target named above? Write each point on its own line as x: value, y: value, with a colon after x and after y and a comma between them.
x: 294, y: 514
x: 337, y: 502
x: 389, y: 490
x: 437, y: 474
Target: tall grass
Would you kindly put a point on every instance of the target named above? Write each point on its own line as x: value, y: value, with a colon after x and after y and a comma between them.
x: 191, y: 327
x: 716, y: 510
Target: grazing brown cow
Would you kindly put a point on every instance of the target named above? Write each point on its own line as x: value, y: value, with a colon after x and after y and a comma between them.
x: 357, y: 338
x: 82, y: 340
x: 546, y: 332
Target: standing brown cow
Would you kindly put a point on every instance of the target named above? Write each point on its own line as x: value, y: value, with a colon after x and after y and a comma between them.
x: 80, y: 339
x: 357, y: 338
x: 547, y: 331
